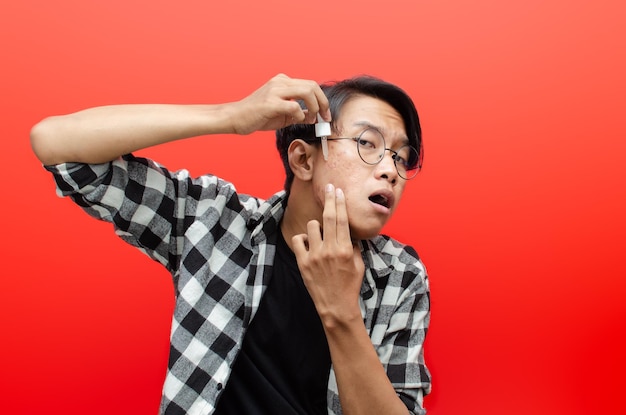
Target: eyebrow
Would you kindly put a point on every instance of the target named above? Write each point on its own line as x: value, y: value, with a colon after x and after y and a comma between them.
x: 366, y: 124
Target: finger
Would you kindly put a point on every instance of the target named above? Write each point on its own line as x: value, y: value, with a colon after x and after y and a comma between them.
x: 317, y: 102
x: 299, y: 244
x: 287, y: 103
x: 284, y: 93
x: 292, y: 111
x: 314, y: 234
x: 324, y: 106
x: 330, y: 215
x: 343, y: 226
x: 313, y: 97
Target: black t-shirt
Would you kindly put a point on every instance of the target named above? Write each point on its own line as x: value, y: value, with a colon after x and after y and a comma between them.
x: 283, y: 366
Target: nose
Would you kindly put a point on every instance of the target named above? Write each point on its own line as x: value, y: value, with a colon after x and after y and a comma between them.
x: 386, y: 168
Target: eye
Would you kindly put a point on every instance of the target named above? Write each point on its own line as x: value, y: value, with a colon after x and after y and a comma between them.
x: 370, y: 140
x: 400, y: 160
x: 366, y: 144
x: 407, y: 157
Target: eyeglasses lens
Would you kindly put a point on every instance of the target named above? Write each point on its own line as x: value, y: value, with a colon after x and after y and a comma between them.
x: 371, y: 147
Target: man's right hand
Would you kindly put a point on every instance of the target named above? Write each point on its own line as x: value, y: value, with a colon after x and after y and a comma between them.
x: 274, y: 105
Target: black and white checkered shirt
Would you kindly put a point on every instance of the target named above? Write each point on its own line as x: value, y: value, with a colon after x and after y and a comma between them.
x: 214, y: 243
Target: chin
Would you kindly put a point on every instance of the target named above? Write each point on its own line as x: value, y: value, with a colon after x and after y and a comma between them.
x: 361, y: 234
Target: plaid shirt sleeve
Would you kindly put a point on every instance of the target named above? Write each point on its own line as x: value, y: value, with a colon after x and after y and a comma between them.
x: 396, y: 308
x: 149, y: 206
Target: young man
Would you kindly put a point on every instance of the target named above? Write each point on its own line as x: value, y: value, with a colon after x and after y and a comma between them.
x: 294, y: 305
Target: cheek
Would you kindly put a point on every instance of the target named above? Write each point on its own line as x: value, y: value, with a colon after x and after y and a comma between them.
x: 343, y: 171
x: 346, y: 165
x: 332, y: 164
x: 320, y: 195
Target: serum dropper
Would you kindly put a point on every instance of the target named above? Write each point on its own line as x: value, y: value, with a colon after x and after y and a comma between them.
x: 322, y: 130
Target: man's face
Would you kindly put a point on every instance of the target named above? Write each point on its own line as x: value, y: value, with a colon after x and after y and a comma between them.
x: 372, y: 191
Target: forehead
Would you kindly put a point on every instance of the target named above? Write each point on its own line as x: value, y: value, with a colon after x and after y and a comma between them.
x: 362, y: 111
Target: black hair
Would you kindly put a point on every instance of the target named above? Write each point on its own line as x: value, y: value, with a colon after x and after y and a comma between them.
x: 338, y: 93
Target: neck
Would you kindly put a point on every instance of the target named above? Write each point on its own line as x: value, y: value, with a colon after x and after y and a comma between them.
x: 290, y: 226
x: 299, y: 211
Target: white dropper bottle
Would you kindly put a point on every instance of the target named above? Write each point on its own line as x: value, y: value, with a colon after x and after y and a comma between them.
x: 322, y: 130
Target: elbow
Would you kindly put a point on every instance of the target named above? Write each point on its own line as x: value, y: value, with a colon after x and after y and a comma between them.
x: 44, y: 141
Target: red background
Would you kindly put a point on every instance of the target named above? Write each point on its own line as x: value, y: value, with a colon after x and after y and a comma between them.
x: 518, y: 213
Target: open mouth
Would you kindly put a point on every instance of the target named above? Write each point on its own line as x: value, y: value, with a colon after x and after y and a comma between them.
x: 380, y: 200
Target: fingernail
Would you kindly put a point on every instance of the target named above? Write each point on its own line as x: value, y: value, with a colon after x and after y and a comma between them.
x: 329, y: 187
x: 339, y: 193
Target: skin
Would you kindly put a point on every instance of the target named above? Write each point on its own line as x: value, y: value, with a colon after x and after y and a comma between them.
x: 331, y: 195
x: 345, y: 170
x: 328, y: 211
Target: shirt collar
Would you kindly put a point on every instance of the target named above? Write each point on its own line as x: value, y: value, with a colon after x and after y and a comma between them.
x: 267, y: 216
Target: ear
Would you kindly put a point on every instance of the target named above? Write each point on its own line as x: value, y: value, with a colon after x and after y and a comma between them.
x: 300, y: 155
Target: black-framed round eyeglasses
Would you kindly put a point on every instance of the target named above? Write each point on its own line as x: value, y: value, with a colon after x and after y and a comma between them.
x: 371, y: 147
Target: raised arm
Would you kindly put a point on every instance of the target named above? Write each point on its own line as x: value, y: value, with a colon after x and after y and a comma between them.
x: 102, y: 134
